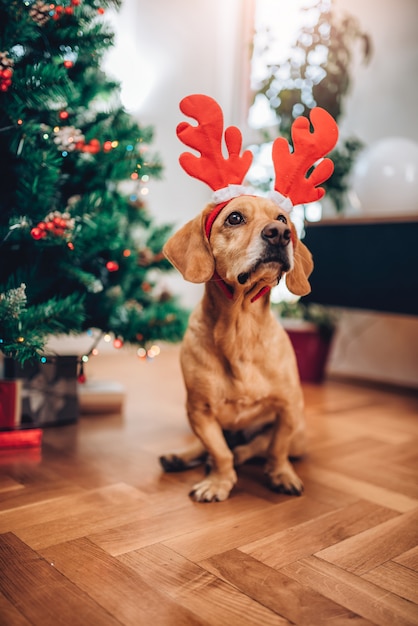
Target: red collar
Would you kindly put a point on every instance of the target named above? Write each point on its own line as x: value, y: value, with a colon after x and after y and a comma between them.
x: 229, y: 292
x: 227, y: 289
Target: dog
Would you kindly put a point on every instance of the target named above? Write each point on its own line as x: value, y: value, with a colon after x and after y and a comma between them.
x: 238, y: 364
x: 244, y: 396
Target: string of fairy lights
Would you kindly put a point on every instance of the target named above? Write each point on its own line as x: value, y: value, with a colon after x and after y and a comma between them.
x: 143, y: 354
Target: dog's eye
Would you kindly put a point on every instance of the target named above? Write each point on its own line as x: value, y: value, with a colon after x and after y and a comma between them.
x: 235, y: 218
x: 281, y: 218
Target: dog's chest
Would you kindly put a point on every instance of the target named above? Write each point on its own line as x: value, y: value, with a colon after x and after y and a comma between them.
x: 238, y: 372
x: 239, y: 413
x: 246, y: 394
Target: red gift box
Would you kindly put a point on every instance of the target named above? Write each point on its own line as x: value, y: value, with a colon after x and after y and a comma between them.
x: 16, y: 439
x: 10, y: 404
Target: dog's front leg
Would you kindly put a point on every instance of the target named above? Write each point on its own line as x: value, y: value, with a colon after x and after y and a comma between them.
x: 218, y: 484
x: 281, y: 475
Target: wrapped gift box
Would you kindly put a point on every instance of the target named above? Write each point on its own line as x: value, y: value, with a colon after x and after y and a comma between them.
x: 48, y: 390
x: 10, y: 404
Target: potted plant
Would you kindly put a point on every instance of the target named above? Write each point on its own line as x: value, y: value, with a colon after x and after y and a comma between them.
x: 317, y: 72
x: 311, y: 329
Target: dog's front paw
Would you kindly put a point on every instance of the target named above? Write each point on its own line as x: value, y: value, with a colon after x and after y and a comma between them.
x: 214, y: 488
x: 284, y: 480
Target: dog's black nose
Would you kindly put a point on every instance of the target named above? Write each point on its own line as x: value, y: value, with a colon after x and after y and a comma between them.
x: 276, y: 234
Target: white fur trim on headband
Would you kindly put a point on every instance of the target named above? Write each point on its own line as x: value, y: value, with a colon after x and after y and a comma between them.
x: 232, y: 191
x: 282, y: 201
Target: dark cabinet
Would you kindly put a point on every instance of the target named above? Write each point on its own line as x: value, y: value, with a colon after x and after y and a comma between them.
x: 365, y: 263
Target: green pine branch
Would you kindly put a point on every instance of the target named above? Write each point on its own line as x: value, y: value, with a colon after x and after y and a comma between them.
x: 24, y: 329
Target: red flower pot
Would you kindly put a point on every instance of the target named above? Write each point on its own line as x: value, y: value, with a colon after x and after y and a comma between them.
x: 312, y: 348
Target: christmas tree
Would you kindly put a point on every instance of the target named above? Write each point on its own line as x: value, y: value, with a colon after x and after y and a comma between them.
x: 78, y: 250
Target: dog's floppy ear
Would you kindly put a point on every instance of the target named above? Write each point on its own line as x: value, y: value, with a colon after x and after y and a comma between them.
x: 189, y: 251
x: 297, y: 278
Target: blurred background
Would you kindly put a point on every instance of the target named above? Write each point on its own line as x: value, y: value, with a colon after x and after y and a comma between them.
x: 92, y: 186
x: 167, y: 50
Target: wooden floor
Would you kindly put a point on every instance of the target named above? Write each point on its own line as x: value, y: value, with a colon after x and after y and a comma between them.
x: 93, y: 533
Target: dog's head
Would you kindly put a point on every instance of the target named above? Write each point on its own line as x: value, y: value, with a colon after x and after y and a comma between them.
x: 242, y: 239
x: 251, y: 241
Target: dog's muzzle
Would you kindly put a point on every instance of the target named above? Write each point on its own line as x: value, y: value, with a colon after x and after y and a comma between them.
x: 276, y: 237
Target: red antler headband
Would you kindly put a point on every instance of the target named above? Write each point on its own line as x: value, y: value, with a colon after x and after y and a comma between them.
x: 225, y: 175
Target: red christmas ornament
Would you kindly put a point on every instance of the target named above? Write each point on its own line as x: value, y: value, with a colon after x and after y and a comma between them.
x: 100, y: 11
x: 118, y: 343
x: 93, y: 147
x: 59, y: 222
x: 75, y: 3
x: 107, y: 146
x: 69, y: 10
x: 63, y: 115
x: 68, y: 64
x: 55, y: 225
x: 59, y: 10
x: 6, y: 71
x: 37, y: 233
x: 112, y: 266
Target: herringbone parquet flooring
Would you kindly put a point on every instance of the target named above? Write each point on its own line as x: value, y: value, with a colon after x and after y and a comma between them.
x: 93, y: 533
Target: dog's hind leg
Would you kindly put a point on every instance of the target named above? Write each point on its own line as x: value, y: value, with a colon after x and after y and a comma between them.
x: 185, y: 459
x: 257, y: 447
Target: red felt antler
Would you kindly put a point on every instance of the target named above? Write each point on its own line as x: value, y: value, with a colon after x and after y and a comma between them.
x: 291, y: 167
x: 211, y: 167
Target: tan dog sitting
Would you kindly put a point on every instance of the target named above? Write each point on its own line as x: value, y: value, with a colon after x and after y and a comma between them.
x: 238, y: 364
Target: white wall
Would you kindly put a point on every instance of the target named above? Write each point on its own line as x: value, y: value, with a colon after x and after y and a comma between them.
x: 166, y: 50
x: 187, y: 47
x: 383, y: 99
